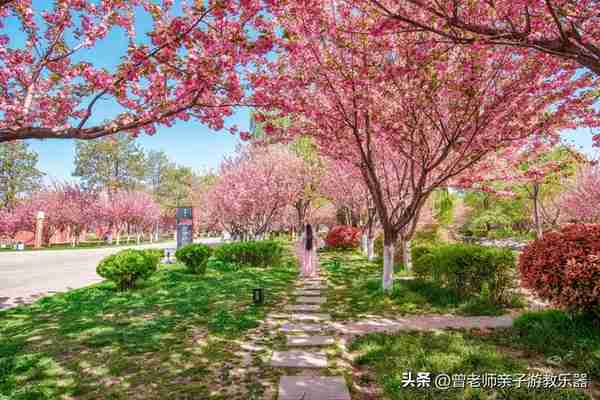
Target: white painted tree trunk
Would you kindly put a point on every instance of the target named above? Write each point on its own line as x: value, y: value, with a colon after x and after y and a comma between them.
x: 388, y: 267
x: 364, y: 245
x: 370, y: 248
x: 406, y: 255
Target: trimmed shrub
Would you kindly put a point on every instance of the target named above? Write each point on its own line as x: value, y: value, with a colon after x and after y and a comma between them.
x: 343, y: 237
x: 262, y: 253
x: 194, y: 256
x: 422, y: 261
x: 468, y: 269
x: 127, y: 266
x: 563, y: 267
x: 429, y: 233
x: 158, y: 253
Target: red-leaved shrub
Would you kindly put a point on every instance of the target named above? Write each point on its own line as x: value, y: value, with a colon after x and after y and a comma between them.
x: 564, y: 267
x: 343, y: 237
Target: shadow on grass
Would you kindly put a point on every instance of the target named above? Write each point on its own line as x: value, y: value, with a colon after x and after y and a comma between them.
x: 96, y: 342
x: 568, y: 340
x: 355, y: 289
x: 451, y: 353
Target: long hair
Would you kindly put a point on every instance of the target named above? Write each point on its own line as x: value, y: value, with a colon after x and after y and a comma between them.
x: 309, y: 237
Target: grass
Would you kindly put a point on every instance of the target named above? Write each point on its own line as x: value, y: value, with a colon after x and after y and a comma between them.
x: 564, y: 340
x: 387, y: 357
x: 355, y: 290
x: 176, y: 336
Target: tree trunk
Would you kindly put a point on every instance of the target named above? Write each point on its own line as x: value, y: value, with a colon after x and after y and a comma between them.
x: 389, y: 238
x: 363, y: 244
x: 537, y: 219
x: 406, y: 255
x: 370, y: 248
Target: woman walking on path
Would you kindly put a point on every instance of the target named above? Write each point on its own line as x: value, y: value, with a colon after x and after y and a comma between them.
x: 308, y: 252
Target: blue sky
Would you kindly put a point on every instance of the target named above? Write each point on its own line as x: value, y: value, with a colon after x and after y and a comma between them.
x: 189, y: 144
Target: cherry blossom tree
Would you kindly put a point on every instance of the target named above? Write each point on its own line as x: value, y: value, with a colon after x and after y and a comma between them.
x: 126, y: 211
x: 143, y: 213
x: 187, y: 65
x: 252, y: 190
x: 323, y: 214
x: 566, y: 30
x: 9, y: 223
x: 580, y: 202
x: 411, y: 113
x: 75, y: 209
x: 47, y: 201
x: 307, y: 171
x: 344, y: 185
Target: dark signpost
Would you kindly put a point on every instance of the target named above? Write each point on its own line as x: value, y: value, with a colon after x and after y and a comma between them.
x: 185, y: 226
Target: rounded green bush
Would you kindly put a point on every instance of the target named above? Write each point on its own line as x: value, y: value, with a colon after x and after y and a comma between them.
x: 127, y: 266
x: 194, y: 256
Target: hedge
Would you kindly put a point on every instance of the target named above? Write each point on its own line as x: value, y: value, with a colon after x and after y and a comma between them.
x: 468, y: 269
x: 262, y: 253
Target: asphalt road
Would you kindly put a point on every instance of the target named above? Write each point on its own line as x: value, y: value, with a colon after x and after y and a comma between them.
x: 26, y: 276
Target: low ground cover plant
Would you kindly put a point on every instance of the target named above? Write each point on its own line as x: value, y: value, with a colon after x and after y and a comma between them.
x: 126, y: 267
x: 563, y: 267
x: 194, y: 256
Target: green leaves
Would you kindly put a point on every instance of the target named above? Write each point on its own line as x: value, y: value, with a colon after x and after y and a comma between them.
x: 127, y: 266
x: 18, y: 172
x: 194, y: 256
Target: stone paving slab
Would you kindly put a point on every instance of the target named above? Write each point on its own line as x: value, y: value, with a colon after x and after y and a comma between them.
x: 311, y: 287
x: 313, y: 388
x: 311, y: 317
x: 316, y: 340
x: 303, y: 307
x: 422, y: 323
x: 289, y: 327
x: 312, y: 281
x: 278, y: 316
x: 307, y: 292
x: 310, y: 300
x: 299, y: 359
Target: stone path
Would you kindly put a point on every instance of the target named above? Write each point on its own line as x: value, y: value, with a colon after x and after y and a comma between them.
x: 421, y: 323
x: 306, y: 330
x: 310, y: 335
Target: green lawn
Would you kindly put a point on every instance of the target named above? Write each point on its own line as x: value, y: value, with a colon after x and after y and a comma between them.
x: 177, y: 336
x: 384, y: 359
x: 355, y: 290
x: 571, y: 342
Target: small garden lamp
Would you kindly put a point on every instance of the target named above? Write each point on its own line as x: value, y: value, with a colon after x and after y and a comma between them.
x: 258, y: 296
